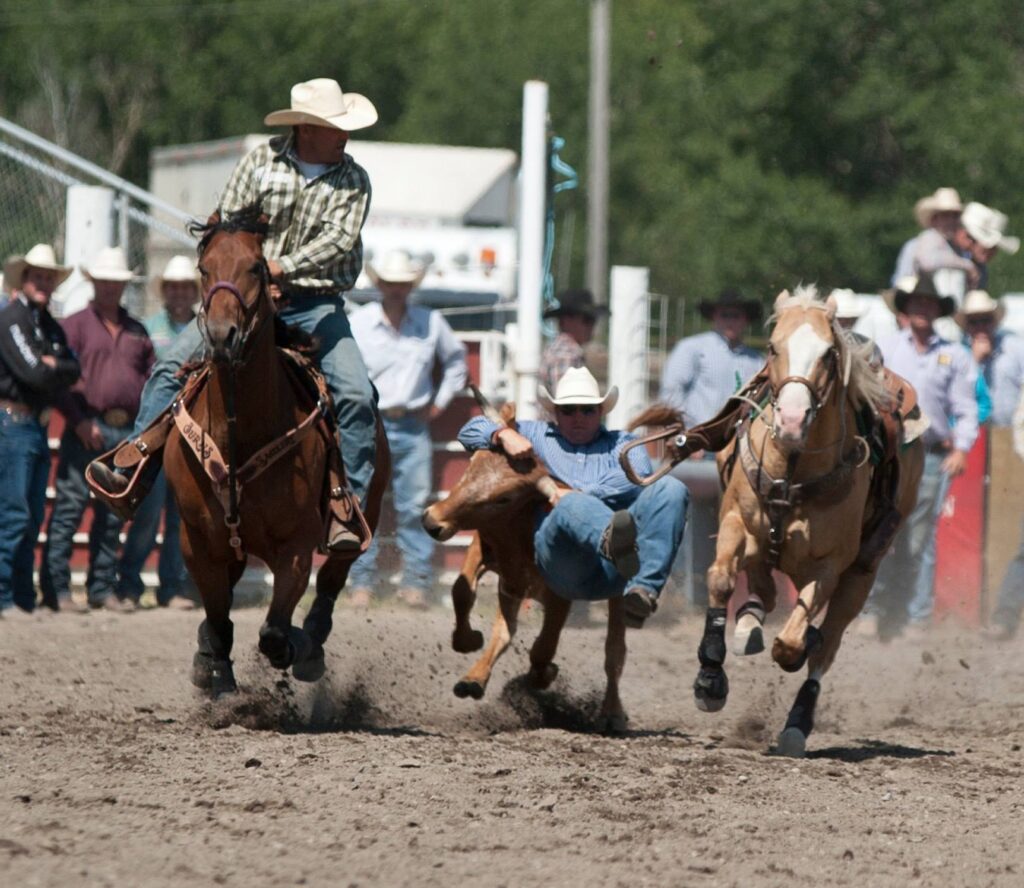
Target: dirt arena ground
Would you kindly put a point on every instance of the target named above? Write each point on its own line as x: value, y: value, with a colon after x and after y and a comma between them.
x: 114, y: 772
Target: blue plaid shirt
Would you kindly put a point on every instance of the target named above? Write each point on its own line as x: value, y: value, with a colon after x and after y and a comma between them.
x: 589, y: 468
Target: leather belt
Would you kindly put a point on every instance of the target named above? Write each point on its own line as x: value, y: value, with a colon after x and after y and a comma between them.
x: 23, y: 411
x: 396, y: 413
x: 116, y: 418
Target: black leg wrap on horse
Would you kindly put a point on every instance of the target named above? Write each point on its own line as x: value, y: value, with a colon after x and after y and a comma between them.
x: 813, y: 640
x: 319, y: 621
x: 801, y: 716
x: 211, y: 665
x: 712, y: 646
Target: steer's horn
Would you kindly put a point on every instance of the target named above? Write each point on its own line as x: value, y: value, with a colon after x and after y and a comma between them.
x: 486, y: 406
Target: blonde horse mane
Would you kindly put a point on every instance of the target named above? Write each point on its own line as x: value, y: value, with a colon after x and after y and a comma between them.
x: 866, y: 386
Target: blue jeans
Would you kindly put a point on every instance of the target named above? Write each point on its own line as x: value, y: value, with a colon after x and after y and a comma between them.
x: 140, y: 542
x: 1011, y: 593
x: 568, y: 542
x: 24, y: 467
x: 340, y: 361
x: 72, y: 496
x: 904, y: 589
x: 411, y: 455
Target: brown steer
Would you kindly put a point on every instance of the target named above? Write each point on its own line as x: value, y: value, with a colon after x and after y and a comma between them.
x: 498, y: 498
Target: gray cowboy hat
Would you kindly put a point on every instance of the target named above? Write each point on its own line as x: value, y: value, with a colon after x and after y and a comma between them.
x: 731, y: 298
x: 576, y: 302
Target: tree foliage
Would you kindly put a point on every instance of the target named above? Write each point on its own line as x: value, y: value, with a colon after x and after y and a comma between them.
x: 755, y: 145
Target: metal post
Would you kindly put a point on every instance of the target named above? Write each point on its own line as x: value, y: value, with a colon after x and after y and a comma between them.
x: 89, y: 227
x: 597, y: 159
x: 628, y: 344
x: 532, y: 201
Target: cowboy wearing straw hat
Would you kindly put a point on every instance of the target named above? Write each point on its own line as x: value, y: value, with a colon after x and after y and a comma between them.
x: 938, y: 212
x: 604, y: 536
x: 178, y: 286
x: 985, y: 232
x: 316, y: 197
x: 36, y: 366
x: 401, y: 344
x: 116, y: 355
x: 944, y: 376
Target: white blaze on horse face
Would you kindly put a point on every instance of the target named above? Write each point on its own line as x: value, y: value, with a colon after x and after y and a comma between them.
x: 805, y: 348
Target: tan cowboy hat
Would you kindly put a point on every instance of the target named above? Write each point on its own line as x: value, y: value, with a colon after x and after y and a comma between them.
x: 397, y: 267
x: 944, y: 200
x: 848, y: 303
x: 988, y: 227
x: 109, y: 265
x: 322, y: 103
x: 912, y: 285
x: 978, y: 302
x: 578, y: 386
x: 40, y: 256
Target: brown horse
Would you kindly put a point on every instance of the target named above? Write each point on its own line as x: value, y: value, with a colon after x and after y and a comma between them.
x: 498, y: 498
x: 804, y: 497
x: 272, y: 506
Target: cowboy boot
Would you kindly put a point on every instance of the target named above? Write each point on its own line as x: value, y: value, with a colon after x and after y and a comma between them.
x: 347, y: 530
x: 110, y: 484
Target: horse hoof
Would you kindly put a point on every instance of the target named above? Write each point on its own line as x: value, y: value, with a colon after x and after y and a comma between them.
x: 711, y: 689
x: 472, y: 689
x: 792, y: 743
x: 467, y: 642
x: 222, y: 681
x: 311, y: 667
x: 748, y: 640
x: 614, y: 724
x: 542, y: 679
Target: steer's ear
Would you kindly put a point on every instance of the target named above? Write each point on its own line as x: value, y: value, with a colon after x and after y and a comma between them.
x: 508, y: 414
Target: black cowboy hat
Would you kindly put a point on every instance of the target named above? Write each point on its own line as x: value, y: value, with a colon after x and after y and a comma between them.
x: 731, y: 298
x: 912, y: 285
x: 576, y: 302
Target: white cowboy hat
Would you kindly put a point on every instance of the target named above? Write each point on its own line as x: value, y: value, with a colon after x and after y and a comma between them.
x: 322, y: 103
x: 944, y: 200
x: 109, y: 265
x: 578, y: 386
x: 978, y: 302
x: 180, y: 268
x: 40, y: 256
x: 988, y: 227
x: 848, y: 303
x: 397, y: 267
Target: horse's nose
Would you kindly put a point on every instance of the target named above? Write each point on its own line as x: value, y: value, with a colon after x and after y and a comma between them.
x: 790, y: 423
x: 223, y: 335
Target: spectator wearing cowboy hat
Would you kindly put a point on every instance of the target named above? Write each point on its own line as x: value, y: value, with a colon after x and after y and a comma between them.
x: 116, y: 356
x: 701, y: 374
x: 36, y: 365
x: 938, y: 212
x: 316, y: 198
x: 179, y: 290
x: 985, y: 233
x: 577, y: 314
x: 604, y: 537
x: 401, y: 344
x: 944, y: 375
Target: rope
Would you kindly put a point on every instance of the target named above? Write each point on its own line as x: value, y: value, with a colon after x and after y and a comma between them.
x: 571, y: 179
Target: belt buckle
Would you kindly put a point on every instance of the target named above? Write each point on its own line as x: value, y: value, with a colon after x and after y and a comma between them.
x: 394, y: 412
x: 44, y: 416
x: 116, y: 417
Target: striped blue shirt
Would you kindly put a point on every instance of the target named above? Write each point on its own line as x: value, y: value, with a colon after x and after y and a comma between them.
x: 589, y: 468
x: 703, y: 372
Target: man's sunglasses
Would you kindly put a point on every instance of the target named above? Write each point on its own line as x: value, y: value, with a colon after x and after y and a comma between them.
x: 570, y: 409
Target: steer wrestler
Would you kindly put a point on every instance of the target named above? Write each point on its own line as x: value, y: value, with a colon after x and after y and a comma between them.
x: 605, y: 536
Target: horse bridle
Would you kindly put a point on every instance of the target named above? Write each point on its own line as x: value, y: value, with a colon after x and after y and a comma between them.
x: 249, y: 312
x: 818, y: 399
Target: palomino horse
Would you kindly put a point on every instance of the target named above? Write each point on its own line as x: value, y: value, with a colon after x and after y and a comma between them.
x: 498, y: 498
x: 801, y: 498
x: 247, y: 460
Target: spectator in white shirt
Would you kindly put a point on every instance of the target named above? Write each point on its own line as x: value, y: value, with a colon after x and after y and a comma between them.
x: 401, y: 344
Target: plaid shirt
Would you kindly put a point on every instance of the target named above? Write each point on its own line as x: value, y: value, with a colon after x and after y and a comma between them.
x: 314, y: 226
x: 563, y: 353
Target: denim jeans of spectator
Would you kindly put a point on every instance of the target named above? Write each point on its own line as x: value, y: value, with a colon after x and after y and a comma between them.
x: 411, y: 460
x: 568, y: 542
x: 899, y: 595
x: 1010, y: 602
x: 141, y: 540
x: 697, y: 552
x: 339, y: 359
x: 72, y: 497
x: 24, y: 467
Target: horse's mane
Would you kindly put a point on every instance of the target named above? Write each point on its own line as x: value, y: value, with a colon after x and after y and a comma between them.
x: 249, y: 219
x: 866, y: 385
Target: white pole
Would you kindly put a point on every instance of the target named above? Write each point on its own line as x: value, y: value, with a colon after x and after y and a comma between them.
x: 532, y: 206
x: 628, y: 330
x: 597, y: 156
x: 88, y: 228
